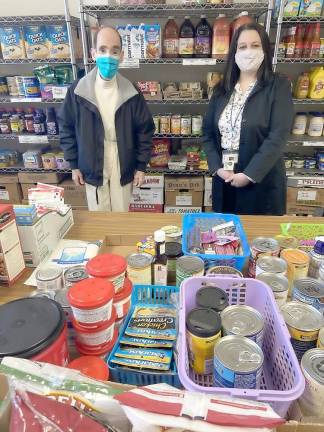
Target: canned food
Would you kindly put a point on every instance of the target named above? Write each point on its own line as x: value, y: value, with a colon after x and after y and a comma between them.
x: 212, y: 297
x: 270, y: 264
x: 297, y: 265
x: 310, y: 291
x: 165, y: 127
x: 12, y: 86
x: 3, y: 86
x: 31, y: 87
x: 42, y: 293
x: 316, y: 259
x: 74, y: 274
x: 320, y: 340
x: 49, y: 278
x: 188, y: 266
x: 303, y: 322
x: 241, y: 320
x: 279, y: 285
x: 172, y: 233
x: 61, y: 298
x: 312, y: 400
x: 224, y: 270
x: 203, y: 331
x: 196, y: 125
x: 176, y: 124
x: 173, y: 251
x: 262, y: 246
x: 238, y: 363
x: 156, y: 120
x: 286, y: 242
x: 20, y: 85
x: 321, y: 272
x: 186, y: 125
x: 139, y: 268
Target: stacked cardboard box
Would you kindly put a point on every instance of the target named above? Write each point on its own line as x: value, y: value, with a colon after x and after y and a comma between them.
x: 30, y: 179
x: 183, y: 194
x: 74, y: 195
x: 305, y: 196
x: 10, y: 190
x: 208, y: 194
x: 150, y: 197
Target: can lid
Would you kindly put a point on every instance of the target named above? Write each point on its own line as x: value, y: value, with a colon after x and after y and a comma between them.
x: 276, y: 282
x: 125, y: 292
x: 310, y: 287
x: 91, y: 366
x: 139, y: 260
x: 173, y: 249
x: 295, y: 256
x: 212, y: 297
x: 94, y: 329
x: 91, y: 293
x: 75, y: 273
x: 319, y: 247
x: 103, y: 349
x: 48, y: 273
x: 106, y: 265
x: 312, y: 364
x: 29, y: 325
x: 242, y: 320
x: 190, y: 264
x: 302, y: 316
x: 203, y: 322
x: 272, y: 264
x: 159, y: 236
x: 264, y: 244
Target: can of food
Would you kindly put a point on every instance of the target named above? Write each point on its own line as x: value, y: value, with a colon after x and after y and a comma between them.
x: 173, y: 251
x: 139, y: 268
x: 320, y: 340
x: 297, y: 265
x: 203, y: 331
x: 61, y: 298
x: 74, y: 274
x: 31, y: 87
x: 321, y: 272
x: 212, y: 297
x: 196, y: 124
x: 225, y: 271
x: 286, y: 242
x: 309, y: 291
x: 165, y: 126
x: 12, y: 86
x: 20, y: 86
x: 3, y: 86
x: 303, y: 322
x: 316, y: 259
x: 312, y: 400
x: 156, y: 120
x: 172, y: 233
x: 188, y: 266
x: 186, y: 125
x: 271, y: 264
x: 49, y: 278
x: 238, y: 363
x: 278, y: 284
x: 262, y: 246
x: 110, y: 267
x: 242, y: 320
x: 176, y: 124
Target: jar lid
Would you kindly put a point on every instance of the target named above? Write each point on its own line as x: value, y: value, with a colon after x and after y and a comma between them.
x: 91, y: 366
x: 48, y: 274
x: 203, y: 322
x: 212, y: 297
x: 103, y: 349
x: 91, y: 293
x: 125, y: 292
x: 295, y: 256
x: 106, y: 265
x: 319, y: 247
x: 95, y: 329
x: 173, y: 249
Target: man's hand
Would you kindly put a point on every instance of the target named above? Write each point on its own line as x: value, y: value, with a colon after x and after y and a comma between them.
x: 139, y: 178
x: 77, y: 177
x: 224, y: 174
x: 238, y: 180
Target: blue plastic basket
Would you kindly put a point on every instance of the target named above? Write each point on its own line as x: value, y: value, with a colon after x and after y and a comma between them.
x: 190, y: 225
x: 152, y: 295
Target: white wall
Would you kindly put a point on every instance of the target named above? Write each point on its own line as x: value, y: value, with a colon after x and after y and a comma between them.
x: 37, y: 7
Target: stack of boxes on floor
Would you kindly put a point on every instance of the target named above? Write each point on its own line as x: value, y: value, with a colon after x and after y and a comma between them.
x: 305, y: 195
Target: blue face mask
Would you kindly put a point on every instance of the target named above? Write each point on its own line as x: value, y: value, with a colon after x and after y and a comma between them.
x: 108, y: 66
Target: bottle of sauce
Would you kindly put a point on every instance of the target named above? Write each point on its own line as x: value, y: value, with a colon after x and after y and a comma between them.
x: 39, y: 122
x: 171, y: 39
x: 291, y: 43
x: 316, y: 41
x: 243, y: 18
x: 203, y: 38
x: 302, y: 86
x: 221, y: 37
x: 308, y: 41
x: 299, y: 41
x: 160, y: 266
x: 187, y: 39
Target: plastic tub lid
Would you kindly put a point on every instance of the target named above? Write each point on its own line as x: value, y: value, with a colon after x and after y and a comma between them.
x: 91, y: 293
x: 106, y: 265
x: 29, y: 325
x: 91, y: 366
x: 103, y: 349
x: 173, y: 249
x: 94, y: 329
x: 125, y: 292
x: 204, y: 323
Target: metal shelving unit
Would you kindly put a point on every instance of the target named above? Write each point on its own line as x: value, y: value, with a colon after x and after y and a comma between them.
x: 31, y: 101
x: 308, y: 101
x: 300, y: 60
x: 30, y: 136
x: 178, y: 102
x: 12, y: 170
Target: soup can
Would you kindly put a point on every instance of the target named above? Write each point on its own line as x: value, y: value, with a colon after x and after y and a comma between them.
x: 172, y: 233
x: 262, y: 246
x: 303, y: 322
x: 270, y: 264
x: 176, y: 124
x: 278, y: 285
x: 74, y: 274
x: 320, y: 340
x: 212, y: 297
x: 238, y: 363
x: 188, y: 266
x: 186, y: 125
x: 297, y: 265
x: 309, y: 291
x: 156, y: 120
x: 49, y: 278
x: 139, y: 268
x: 31, y: 87
x: 241, y: 320
x: 224, y: 271
x: 312, y: 366
x: 316, y: 259
x: 196, y: 126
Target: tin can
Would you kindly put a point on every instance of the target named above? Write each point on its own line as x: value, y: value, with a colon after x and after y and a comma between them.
x: 61, y: 298
x: 156, y: 120
x: 212, y: 297
x: 278, y: 284
x: 297, y: 265
x: 286, y: 242
x: 186, y: 125
x: 176, y: 124
x: 49, y: 278
x: 238, y: 363
x: 74, y: 274
x: 172, y: 233
x: 321, y: 272
x: 241, y: 320
x: 203, y: 331
x: 270, y: 264
x: 12, y: 86
x: 316, y: 259
x: 303, y: 322
x: 173, y: 251
x: 31, y: 87
x: 262, y: 246
x: 312, y: 400
x: 165, y: 124
x: 196, y: 124
x: 320, y: 340
x: 20, y: 86
x: 3, y: 86
x: 309, y: 291
x: 224, y: 270
x: 188, y: 266
x: 139, y: 268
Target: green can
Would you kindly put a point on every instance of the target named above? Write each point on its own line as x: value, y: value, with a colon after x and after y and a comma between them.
x: 173, y: 251
x: 189, y: 266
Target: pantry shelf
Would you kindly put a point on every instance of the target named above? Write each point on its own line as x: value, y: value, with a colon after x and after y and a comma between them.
x: 32, y: 61
x: 11, y: 170
x: 160, y: 135
x: 167, y: 61
x: 28, y: 139
x: 308, y: 101
x: 30, y: 19
x: 300, y: 60
x: 306, y: 141
x: 9, y: 99
x: 300, y: 19
x: 178, y: 102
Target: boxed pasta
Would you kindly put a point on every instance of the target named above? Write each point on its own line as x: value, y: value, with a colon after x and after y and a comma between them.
x: 12, y: 43
x: 36, y: 42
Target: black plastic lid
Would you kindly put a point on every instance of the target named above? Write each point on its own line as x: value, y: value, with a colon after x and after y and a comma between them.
x: 203, y: 322
x: 29, y: 325
x: 212, y: 297
x: 173, y: 249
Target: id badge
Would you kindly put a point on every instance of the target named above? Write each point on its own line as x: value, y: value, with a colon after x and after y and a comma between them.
x: 230, y: 159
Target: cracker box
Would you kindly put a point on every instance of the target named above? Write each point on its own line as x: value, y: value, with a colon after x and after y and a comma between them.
x: 58, y: 41
x: 12, y: 43
x: 36, y: 42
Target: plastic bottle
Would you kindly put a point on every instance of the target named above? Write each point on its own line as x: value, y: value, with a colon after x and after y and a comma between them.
x: 302, y: 86
x: 39, y: 122
x: 160, y: 265
x: 243, y: 18
x: 316, y: 88
x: 221, y: 37
x: 308, y: 41
x: 51, y: 123
x: 171, y: 39
x: 20, y: 112
x: 316, y: 41
x: 187, y: 38
x: 291, y: 43
x: 203, y: 39
x: 299, y: 41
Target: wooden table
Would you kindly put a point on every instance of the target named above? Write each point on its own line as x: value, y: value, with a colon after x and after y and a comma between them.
x: 122, y: 230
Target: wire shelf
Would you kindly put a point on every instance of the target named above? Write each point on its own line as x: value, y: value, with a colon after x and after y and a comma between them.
x: 168, y: 61
x: 30, y: 137
x: 300, y: 60
x: 160, y: 135
x: 32, y: 61
x: 33, y: 170
x: 30, y: 19
x: 301, y: 19
x: 178, y: 102
x: 308, y: 101
x: 12, y: 99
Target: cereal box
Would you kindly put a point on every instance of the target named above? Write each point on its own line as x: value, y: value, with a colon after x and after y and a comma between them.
x: 58, y: 41
x: 12, y: 43
x: 153, y: 41
x: 311, y: 8
x: 36, y: 42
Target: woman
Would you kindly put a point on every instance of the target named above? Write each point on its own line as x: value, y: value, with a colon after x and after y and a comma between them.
x: 246, y: 127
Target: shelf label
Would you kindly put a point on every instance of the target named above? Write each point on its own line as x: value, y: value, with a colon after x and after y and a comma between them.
x: 306, y: 195
x: 20, y: 99
x: 183, y: 200
x: 290, y: 173
x: 199, y: 62
x: 4, y: 195
x: 313, y: 143
x: 33, y: 139
x: 59, y: 92
x: 130, y: 64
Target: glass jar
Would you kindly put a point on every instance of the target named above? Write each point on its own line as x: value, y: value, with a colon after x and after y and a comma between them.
x: 15, y: 124
x: 300, y: 124
x: 315, y: 127
x: 5, y: 125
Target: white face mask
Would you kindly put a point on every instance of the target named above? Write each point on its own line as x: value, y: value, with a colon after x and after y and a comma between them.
x: 249, y: 60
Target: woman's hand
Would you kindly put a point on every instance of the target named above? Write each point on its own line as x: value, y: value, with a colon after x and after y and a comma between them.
x: 224, y: 174
x: 238, y: 180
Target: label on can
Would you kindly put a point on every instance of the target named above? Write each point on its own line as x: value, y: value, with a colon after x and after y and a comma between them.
x: 310, y: 291
x: 225, y: 377
x: 91, y: 316
x: 201, y: 352
x: 312, y: 400
x: 97, y: 338
x: 196, y: 125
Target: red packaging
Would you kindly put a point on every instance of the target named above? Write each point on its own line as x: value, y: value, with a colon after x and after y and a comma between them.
x: 160, y: 153
x: 122, y: 299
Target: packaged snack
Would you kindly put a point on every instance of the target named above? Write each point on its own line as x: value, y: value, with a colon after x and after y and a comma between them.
x: 58, y: 41
x: 152, y: 355
x: 45, y: 74
x: 148, y: 343
x: 32, y: 159
x: 36, y: 42
x: 153, y: 41
x: 12, y: 43
x: 63, y: 74
x: 291, y: 8
x: 140, y: 364
x: 160, y: 152
x: 126, y: 33
x: 310, y: 8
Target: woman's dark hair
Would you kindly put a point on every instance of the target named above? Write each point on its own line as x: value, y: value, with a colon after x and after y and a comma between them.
x: 232, y: 71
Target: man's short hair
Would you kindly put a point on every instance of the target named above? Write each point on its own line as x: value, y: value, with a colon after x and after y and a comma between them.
x: 96, y: 32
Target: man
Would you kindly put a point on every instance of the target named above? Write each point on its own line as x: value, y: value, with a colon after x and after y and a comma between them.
x: 106, y: 129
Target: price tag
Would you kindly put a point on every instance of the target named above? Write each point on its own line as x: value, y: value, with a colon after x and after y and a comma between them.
x: 130, y: 64
x: 199, y: 62
x: 304, y: 195
x: 4, y: 195
x: 290, y: 173
x: 313, y: 143
x: 183, y: 200
x: 25, y: 99
x: 33, y: 139
x: 59, y: 92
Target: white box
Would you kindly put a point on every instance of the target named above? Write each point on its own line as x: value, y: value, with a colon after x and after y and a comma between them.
x: 208, y: 202
x: 182, y: 210
x: 147, y: 196
x: 208, y: 183
x: 154, y: 181
x: 39, y: 240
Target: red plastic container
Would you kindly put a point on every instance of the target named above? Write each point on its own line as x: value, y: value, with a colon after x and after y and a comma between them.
x: 110, y: 267
x: 122, y: 300
x: 101, y: 351
x: 91, y: 366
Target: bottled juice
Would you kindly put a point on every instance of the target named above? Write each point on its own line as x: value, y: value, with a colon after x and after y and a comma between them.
x: 302, y: 86
x: 308, y: 41
x: 171, y: 39
x: 221, y: 37
x: 291, y: 42
x: 187, y: 38
x: 243, y: 18
x: 203, y: 38
x: 316, y: 41
x: 299, y: 41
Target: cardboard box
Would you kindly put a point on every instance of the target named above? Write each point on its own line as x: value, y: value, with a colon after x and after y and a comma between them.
x: 146, y: 208
x: 39, y: 240
x: 32, y: 177
x: 173, y: 183
x: 184, y: 197
x: 302, y: 181
x: 308, y: 201
x: 154, y: 181
x: 208, y: 192
x: 10, y: 191
x: 25, y: 187
x: 74, y: 195
x: 145, y: 195
x: 182, y: 210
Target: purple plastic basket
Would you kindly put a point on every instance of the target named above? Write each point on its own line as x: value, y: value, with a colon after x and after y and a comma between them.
x: 282, y: 380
